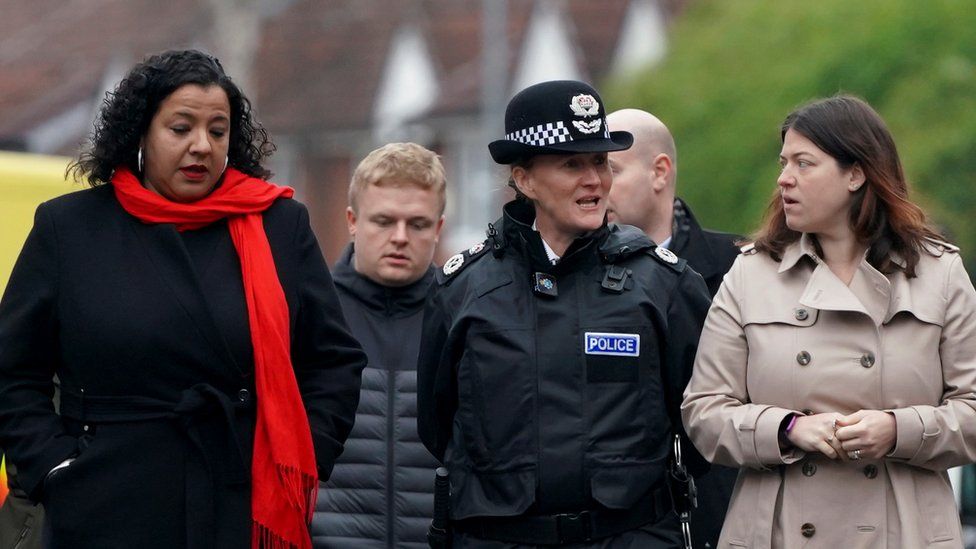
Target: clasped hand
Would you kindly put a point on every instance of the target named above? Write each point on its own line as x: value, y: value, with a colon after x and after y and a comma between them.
x: 865, y: 434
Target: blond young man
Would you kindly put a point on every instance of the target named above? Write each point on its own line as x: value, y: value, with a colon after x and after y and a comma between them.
x: 380, y: 493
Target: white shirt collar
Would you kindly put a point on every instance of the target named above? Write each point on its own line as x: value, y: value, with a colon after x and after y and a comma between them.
x: 666, y: 243
x: 549, y: 251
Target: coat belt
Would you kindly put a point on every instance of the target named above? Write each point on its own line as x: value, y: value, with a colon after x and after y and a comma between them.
x: 206, y: 416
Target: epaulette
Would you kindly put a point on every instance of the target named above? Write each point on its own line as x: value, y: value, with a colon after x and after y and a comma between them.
x: 941, y: 246
x: 748, y: 249
x: 623, y: 241
x: 460, y: 261
x: 667, y: 257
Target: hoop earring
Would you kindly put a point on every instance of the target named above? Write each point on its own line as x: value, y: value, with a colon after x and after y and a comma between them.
x: 139, y: 160
x: 226, y: 161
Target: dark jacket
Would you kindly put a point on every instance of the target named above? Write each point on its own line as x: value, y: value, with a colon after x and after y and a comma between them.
x: 381, y: 491
x: 710, y: 253
x: 147, y: 329
x: 20, y: 518
x: 528, y: 416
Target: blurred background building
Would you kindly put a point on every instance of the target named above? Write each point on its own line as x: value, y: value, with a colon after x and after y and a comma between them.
x: 331, y: 80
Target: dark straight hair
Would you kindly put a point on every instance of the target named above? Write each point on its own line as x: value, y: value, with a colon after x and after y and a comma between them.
x: 881, y: 215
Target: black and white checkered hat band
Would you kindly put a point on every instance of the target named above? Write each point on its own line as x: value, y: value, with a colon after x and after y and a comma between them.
x: 542, y: 135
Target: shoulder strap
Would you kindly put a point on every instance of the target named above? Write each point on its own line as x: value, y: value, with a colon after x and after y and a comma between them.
x: 460, y: 261
x: 666, y: 257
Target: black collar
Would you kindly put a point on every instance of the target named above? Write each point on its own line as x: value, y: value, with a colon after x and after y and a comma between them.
x: 394, y: 301
x: 517, y: 233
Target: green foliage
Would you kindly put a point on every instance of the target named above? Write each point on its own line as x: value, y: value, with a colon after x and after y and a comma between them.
x: 737, y: 68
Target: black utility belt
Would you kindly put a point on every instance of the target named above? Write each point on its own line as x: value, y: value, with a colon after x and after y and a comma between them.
x: 563, y: 528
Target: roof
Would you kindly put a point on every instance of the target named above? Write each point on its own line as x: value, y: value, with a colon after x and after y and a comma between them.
x: 54, y: 53
x: 318, y: 67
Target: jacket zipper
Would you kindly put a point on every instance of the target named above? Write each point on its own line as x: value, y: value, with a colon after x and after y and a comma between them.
x: 390, y: 419
x: 23, y: 535
x: 390, y: 443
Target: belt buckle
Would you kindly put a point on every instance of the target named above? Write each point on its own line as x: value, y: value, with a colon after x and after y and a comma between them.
x: 573, y: 527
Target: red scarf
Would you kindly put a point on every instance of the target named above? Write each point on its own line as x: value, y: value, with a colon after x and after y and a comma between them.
x: 283, y: 472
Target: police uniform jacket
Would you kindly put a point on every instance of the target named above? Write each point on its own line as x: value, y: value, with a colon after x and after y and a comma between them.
x: 381, y: 490
x: 542, y: 404
x: 790, y: 337
x: 147, y: 330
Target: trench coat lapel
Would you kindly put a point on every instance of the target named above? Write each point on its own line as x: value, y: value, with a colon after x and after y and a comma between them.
x: 169, y: 256
x: 873, y: 290
x: 826, y: 292
x: 869, y: 292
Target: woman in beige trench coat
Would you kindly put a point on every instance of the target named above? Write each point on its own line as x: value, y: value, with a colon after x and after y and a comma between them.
x: 837, y: 365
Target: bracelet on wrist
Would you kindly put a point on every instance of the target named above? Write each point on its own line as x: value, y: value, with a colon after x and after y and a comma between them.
x: 789, y: 426
x: 785, y: 426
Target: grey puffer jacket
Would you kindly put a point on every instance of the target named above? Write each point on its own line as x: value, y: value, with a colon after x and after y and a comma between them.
x: 380, y: 493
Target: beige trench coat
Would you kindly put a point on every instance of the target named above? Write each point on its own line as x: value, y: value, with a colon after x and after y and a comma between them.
x: 791, y: 337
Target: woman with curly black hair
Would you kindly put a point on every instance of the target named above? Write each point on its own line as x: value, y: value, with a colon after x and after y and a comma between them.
x: 208, y: 379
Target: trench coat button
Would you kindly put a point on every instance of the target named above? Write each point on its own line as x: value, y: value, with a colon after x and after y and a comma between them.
x: 870, y: 471
x: 867, y: 359
x: 809, y: 469
x: 808, y: 530
x: 801, y: 314
x: 807, y: 412
x: 803, y: 358
x: 243, y: 395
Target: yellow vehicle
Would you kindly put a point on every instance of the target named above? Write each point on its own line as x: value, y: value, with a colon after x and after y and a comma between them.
x: 26, y: 180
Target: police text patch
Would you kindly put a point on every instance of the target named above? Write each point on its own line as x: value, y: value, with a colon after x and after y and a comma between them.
x: 600, y: 343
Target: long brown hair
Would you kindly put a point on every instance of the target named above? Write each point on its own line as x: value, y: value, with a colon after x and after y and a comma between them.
x: 881, y: 215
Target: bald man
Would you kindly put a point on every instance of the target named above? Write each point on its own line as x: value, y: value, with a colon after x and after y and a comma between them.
x: 643, y: 195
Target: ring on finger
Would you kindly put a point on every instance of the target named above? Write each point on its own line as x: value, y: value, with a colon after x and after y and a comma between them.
x: 854, y: 454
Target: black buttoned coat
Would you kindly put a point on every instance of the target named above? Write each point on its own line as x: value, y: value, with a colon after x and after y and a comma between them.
x: 147, y: 330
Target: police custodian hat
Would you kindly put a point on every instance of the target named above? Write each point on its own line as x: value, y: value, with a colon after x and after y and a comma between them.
x: 556, y: 117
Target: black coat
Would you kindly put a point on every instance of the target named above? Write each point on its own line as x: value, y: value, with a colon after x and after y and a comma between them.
x: 528, y: 421
x: 381, y: 491
x: 20, y: 518
x: 710, y: 253
x: 147, y: 330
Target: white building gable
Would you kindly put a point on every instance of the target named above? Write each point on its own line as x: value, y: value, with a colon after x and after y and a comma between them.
x: 548, y: 52
x: 643, y: 38
x: 408, y: 86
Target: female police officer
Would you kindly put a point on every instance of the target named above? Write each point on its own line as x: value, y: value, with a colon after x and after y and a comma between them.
x: 555, y: 353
